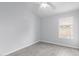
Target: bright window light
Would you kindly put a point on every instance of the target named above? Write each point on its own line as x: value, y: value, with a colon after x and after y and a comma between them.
x: 44, y: 5
x: 66, y: 28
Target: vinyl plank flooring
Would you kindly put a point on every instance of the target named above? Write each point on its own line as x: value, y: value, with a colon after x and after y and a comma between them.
x: 46, y: 49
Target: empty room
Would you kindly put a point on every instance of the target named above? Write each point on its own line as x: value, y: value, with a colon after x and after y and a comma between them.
x: 39, y: 28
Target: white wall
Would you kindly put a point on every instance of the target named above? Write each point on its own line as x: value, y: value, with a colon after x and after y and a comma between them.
x: 18, y: 27
x: 49, y: 29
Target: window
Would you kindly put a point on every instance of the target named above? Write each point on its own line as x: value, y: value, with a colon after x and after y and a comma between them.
x: 66, y: 28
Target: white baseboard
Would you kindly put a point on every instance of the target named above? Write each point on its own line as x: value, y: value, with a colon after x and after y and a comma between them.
x: 20, y: 48
x: 61, y: 44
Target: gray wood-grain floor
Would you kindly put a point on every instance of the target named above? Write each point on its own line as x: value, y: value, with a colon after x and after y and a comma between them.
x: 46, y: 49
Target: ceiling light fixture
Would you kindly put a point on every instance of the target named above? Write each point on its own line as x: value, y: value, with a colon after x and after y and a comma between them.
x: 44, y: 5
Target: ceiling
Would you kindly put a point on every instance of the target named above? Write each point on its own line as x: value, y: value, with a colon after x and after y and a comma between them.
x: 54, y: 8
x: 60, y: 7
